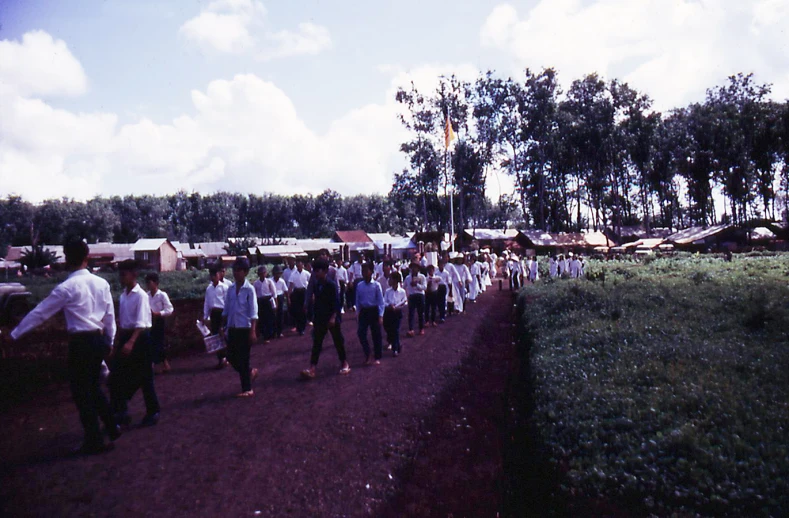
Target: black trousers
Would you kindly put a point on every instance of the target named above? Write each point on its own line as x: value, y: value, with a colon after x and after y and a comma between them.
x: 266, y: 315
x: 368, y: 318
x: 86, y: 351
x: 297, y: 299
x: 431, y: 306
x: 392, y: 319
x: 216, y: 328
x: 133, y: 372
x: 416, y: 303
x: 442, y: 301
x: 343, y: 289
x: 157, y: 338
x: 319, y: 332
x: 279, y: 316
x: 238, y: 347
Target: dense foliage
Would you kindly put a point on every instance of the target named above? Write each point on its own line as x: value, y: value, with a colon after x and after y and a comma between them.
x: 663, y: 386
x: 598, y: 155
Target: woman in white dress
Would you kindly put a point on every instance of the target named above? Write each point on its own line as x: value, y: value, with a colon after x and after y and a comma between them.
x: 474, y: 274
x: 458, y: 293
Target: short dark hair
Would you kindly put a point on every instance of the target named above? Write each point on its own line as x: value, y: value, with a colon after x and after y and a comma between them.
x: 152, y: 277
x: 324, y: 251
x: 213, y: 270
x: 367, y: 266
x: 396, y: 276
x: 320, y: 264
x: 129, y: 265
x: 76, y: 251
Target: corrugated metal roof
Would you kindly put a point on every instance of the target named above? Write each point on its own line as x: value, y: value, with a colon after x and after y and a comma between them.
x: 491, y: 234
x: 213, y: 248
x: 281, y: 250
x: 351, y: 236
x: 148, y: 244
x: 119, y: 251
x: 313, y: 245
x: 539, y: 238
x: 693, y: 234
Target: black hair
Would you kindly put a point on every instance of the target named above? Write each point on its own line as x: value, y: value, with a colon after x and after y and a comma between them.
x: 368, y: 266
x: 152, y: 277
x: 396, y: 276
x: 76, y: 251
x: 213, y: 270
x: 129, y: 265
x: 320, y: 264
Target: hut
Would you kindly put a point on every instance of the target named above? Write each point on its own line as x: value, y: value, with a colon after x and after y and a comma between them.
x: 156, y: 254
x: 277, y: 253
x: 354, y: 244
x: 718, y: 237
x: 494, y: 239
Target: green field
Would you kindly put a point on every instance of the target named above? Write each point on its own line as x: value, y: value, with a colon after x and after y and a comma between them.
x: 663, y: 385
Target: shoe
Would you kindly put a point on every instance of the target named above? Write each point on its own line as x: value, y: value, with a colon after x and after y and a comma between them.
x: 389, y: 347
x: 307, y: 374
x: 377, y: 362
x: 248, y: 393
x: 345, y: 370
x: 114, y: 432
x: 410, y: 334
x: 150, y: 419
x: 421, y: 332
x: 222, y: 364
x: 93, y: 449
x: 123, y: 419
x: 396, y: 354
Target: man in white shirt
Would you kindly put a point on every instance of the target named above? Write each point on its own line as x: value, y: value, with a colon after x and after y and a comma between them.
x: 282, y: 301
x: 395, y: 299
x: 534, y: 270
x: 132, y: 358
x: 266, y: 292
x: 212, y: 308
x: 86, y: 302
x: 415, y: 287
x: 161, y: 307
x: 289, y: 269
x: 297, y: 288
x: 553, y: 266
x: 342, y: 283
x: 444, y: 281
x: 240, y: 318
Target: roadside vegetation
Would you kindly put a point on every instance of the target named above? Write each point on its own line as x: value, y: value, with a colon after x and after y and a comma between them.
x: 661, y: 386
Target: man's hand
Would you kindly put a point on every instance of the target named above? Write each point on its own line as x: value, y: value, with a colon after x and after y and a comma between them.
x: 380, y: 321
x: 127, y: 348
x: 156, y: 314
x: 253, y: 336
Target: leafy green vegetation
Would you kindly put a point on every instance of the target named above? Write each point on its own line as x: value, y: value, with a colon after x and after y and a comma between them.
x: 664, y: 385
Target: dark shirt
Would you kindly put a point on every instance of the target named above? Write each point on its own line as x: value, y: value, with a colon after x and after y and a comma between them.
x: 326, y: 302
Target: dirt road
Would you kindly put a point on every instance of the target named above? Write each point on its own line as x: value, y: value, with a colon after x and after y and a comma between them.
x: 357, y: 445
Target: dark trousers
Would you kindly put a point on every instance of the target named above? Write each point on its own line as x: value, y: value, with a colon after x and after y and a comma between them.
x: 392, y: 320
x: 416, y: 303
x: 368, y: 318
x: 442, y: 301
x: 279, y: 316
x: 297, y: 299
x: 238, y: 347
x: 350, y: 295
x: 157, y: 339
x: 216, y: 328
x: 431, y: 306
x: 266, y: 316
x: 86, y: 351
x: 319, y: 332
x: 515, y: 281
x: 343, y: 289
x: 133, y: 372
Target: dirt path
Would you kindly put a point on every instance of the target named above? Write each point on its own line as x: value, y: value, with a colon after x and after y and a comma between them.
x: 337, y: 446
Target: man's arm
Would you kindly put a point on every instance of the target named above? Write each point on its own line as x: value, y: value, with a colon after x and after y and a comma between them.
x: 167, y: 310
x: 206, y: 309
x: 45, y: 310
x: 110, y: 327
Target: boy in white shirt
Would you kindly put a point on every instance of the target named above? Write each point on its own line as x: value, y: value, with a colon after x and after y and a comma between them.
x: 395, y: 299
x: 266, y: 292
x: 212, y: 307
x: 132, y: 365
x: 415, y: 286
x: 432, y: 312
x: 444, y: 281
x: 282, y: 301
x: 297, y: 289
x: 240, y: 318
x: 161, y: 307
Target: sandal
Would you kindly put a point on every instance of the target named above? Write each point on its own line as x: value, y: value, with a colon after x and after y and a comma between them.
x: 345, y: 370
x: 307, y: 374
x: 248, y: 393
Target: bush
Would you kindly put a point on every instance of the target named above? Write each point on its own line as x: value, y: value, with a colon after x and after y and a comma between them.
x: 666, y: 386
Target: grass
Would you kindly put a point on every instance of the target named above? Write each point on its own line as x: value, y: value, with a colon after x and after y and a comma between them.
x: 663, y: 385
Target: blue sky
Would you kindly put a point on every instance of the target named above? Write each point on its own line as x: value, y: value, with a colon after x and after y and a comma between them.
x: 116, y: 97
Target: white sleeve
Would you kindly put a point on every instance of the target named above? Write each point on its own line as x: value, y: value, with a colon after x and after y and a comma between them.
x: 45, y: 310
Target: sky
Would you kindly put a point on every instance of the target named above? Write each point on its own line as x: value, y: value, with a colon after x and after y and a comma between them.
x: 116, y: 97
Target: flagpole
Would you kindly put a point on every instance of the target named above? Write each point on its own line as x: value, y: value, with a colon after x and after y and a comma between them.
x: 451, y: 203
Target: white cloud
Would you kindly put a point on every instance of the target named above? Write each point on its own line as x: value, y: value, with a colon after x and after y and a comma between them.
x: 672, y: 50
x: 40, y: 65
x: 239, y: 26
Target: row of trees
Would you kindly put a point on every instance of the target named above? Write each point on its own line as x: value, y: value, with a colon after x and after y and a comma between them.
x: 215, y: 217
x: 597, y: 155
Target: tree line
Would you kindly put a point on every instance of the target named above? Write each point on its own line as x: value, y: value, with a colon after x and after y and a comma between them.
x: 598, y: 155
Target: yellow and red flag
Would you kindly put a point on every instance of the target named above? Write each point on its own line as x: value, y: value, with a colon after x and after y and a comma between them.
x: 449, y: 133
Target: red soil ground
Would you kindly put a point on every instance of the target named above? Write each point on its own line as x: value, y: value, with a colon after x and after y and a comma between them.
x: 417, y: 436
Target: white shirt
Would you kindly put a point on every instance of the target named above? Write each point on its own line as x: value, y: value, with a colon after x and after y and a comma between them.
x: 432, y: 282
x: 443, y: 276
x: 553, y: 266
x: 379, y: 271
x: 356, y: 271
x: 214, y: 298
x: 396, y: 298
x: 421, y: 284
x: 342, y: 275
x: 281, y: 286
x: 265, y: 288
x: 160, y: 303
x: 287, y: 272
x: 241, y: 308
x: 86, y: 302
x: 299, y: 280
x: 134, y: 311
